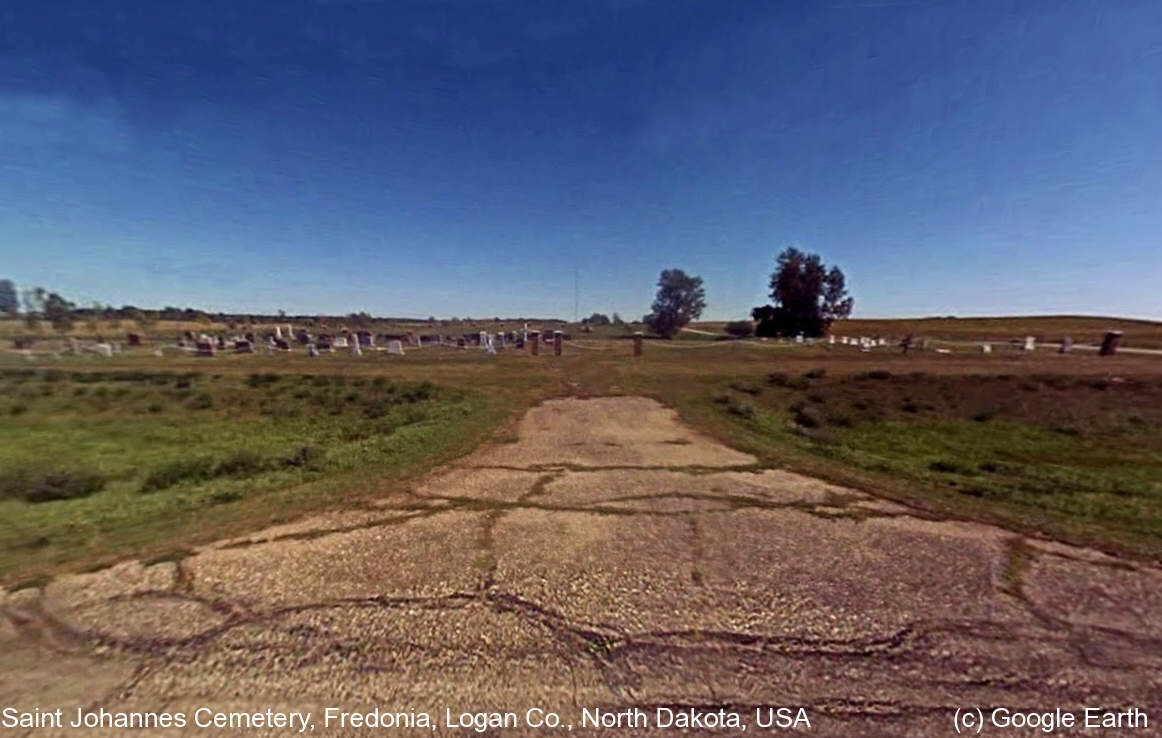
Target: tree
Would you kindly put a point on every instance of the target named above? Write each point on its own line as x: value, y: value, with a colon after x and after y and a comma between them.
x: 9, y: 302
x: 680, y: 299
x: 33, y: 307
x: 596, y: 319
x: 739, y: 328
x: 807, y: 296
x: 59, y: 312
x: 616, y: 319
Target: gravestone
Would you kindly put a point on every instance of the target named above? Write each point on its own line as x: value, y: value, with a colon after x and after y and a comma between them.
x: 322, y: 346
x: 356, y: 349
x: 311, y: 350
x: 1109, y: 344
x: 103, y: 349
x: 133, y: 339
x: 281, y: 344
x: 1030, y: 344
x: 1066, y: 345
x: 831, y: 339
x: 205, y: 348
x: 277, y: 332
x: 339, y: 342
x: 243, y: 347
x: 798, y: 338
x: 986, y: 348
x: 395, y: 347
x: 534, y: 338
x: 637, y: 343
x: 558, y: 340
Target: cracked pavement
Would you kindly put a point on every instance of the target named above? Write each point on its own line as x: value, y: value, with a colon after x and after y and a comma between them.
x: 609, y: 557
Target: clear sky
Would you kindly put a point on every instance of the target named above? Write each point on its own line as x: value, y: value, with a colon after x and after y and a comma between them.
x: 464, y: 158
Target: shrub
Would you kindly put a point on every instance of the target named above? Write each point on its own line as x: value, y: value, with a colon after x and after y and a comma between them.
x: 261, y: 380
x: 779, y: 379
x: 984, y: 416
x: 746, y: 388
x: 817, y: 373
x: 308, y: 456
x: 241, y: 464
x: 422, y: 391
x: 201, y: 402
x: 741, y: 409
x: 841, y: 420
x: 167, y: 475
x: 739, y: 328
x: 33, y: 484
x: 806, y: 416
x: 945, y: 466
x: 879, y: 374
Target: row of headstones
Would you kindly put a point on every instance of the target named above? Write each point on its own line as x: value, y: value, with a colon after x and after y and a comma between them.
x: 863, y: 342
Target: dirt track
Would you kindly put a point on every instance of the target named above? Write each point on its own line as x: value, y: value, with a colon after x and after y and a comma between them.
x: 610, y: 557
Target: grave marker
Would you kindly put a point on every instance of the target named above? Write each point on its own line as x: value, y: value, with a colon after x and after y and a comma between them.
x: 1109, y: 344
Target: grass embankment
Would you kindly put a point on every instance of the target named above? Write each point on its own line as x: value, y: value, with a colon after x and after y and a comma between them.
x: 154, y: 454
x: 1075, y: 457
x: 96, y: 466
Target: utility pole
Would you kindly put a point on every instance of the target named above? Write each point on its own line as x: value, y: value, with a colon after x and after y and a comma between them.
x: 575, y: 295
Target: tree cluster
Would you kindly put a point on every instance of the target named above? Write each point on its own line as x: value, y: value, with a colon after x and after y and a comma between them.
x: 807, y: 297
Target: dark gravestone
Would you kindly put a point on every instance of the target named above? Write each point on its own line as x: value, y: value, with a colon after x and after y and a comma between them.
x: 1109, y: 344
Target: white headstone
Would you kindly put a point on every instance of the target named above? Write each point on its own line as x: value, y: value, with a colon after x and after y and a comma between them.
x: 104, y: 349
x: 986, y: 348
x: 278, y: 331
x: 395, y: 347
x: 843, y: 340
x: 799, y: 338
x: 883, y: 341
x: 1030, y: 343
x: 355, y: 348
x: 831, y: 339
x: 339, y: 342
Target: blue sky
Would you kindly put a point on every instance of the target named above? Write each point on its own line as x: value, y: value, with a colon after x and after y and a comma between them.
x: 464, y: 158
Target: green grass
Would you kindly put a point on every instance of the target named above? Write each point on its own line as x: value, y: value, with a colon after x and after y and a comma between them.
x: 193, y: 450
x: 1072, y: 457
x: 84, y: 477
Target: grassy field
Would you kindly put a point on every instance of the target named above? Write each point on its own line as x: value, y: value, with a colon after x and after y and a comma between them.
x: 1048, y: 328
x: 140, y: 455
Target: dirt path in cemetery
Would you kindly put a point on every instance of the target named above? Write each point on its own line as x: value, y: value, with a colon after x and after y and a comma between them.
x: 610, y: 557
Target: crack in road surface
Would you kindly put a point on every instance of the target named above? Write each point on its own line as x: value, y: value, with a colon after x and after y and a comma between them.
x: 611, y: 557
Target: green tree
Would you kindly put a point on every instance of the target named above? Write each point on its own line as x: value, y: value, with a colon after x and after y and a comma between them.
x: 59, y: 312
x: 807, y: 296
x: 9, y: 302
x: 679, y: 300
